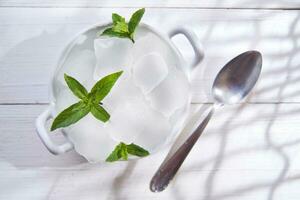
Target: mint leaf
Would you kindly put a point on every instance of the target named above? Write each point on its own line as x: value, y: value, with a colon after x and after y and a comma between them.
x: 100, y: 113
x: 111, y: 33
x: 70, y: 115
x: 117, y: 18
x: 103, y: 87
x: 90, y: 101
x: 122, y: 150
x: 120, y: 26
x: 121, y: 29
x: 77, y: 89
x: 135, y: 20
x: 136, y: 150
x: 114, y: 156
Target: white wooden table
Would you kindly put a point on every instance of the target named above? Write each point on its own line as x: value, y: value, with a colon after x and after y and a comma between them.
x: 249, y: 151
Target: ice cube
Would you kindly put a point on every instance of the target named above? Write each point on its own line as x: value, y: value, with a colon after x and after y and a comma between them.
x: 123, y: 90
x: 80, y: 65
x: 64, y: 99
x: 152, y: 43
x: 177, y: 119
x: 90, y: 138
x: 135, y: 121
x: 171, y: 94
x: 127, y: 121
x: 177, y: 116
x: 149, y: 71
x: 113, y: 54
x: 156, y: 129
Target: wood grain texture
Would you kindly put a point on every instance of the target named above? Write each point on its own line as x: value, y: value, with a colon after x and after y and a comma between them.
x: 242, y: 155
x: 31, y: 45
x: 248, y: 151
x: 155, y: 3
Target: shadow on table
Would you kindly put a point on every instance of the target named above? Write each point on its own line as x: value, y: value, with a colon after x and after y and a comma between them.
x: 281, y: 86
x: 20, y: 146
x: 16, y: 149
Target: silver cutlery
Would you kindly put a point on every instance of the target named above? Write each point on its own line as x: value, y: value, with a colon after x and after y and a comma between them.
x: 234, y: 82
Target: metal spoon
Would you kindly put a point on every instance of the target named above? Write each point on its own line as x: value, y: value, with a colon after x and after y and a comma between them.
x: 235, y: 80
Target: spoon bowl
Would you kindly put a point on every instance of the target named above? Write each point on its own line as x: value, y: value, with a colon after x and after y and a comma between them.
x: 237, y: 78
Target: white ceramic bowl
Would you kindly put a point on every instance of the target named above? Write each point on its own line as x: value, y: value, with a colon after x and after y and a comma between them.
x: 86, y: 38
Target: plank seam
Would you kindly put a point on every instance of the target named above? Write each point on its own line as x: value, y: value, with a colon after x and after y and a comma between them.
x: 159, y: 7
x: 193, y: 103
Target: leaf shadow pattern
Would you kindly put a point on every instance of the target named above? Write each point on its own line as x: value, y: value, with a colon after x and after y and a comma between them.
x: 279, y: 149
x: 220, y: 156
x: 29, y: 146
x: 119, y: 181
x: 289, y: 69
x: 270, y: 142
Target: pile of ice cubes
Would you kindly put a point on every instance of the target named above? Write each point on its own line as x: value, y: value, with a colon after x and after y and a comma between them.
x: 143, y: 104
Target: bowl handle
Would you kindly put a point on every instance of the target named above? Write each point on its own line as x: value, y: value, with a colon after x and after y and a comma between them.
x: 194, y: 41
x: 44, y: 135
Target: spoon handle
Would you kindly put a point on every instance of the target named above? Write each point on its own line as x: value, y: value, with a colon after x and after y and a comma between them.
x: 168, y: 169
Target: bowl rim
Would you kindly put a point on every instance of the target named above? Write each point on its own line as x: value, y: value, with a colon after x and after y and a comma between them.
x: 70, y: 44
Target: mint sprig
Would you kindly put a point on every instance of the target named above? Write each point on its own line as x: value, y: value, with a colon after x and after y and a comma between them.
x: 122, y: 151
x: 121, y: 29
x: 71, y: 115
x: 76, y: 87
x: 89, y: 102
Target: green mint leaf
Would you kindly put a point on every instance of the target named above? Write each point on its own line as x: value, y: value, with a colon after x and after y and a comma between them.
x: 121, y: 29
x: 117, y: 18
x: 122, y: 150
x: 135, y: 20
x: 70, y: 115
x: 100, y: 113
x: 111, y: 33
x: 90, y: 101
x: 114, y: 155
x: 77, y: 89
x: 136, y: 150
x: 103, y: 86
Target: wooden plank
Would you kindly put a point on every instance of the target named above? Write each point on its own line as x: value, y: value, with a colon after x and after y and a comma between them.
x: 20, y: 144
x: 242, y: 155
x: 31, y: 45
x: 154, y: 3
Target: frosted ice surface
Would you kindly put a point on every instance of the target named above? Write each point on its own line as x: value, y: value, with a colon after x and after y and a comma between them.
x: 90, y: 138
x: 128, y: 121
x: 176, y: 115
x: 123, y: 90
x: 147, y: 44
x: 156, y: 129
x: 113, y: 54
x: 149, y: 71
x: 172, y: 93
x: 145, y: 104
x: 80, y: 65
x: 64, y: 99
x: 137, y: 122
x: 151, y: 43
